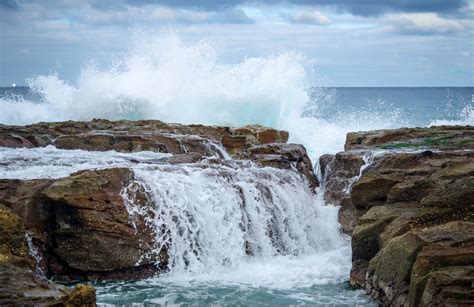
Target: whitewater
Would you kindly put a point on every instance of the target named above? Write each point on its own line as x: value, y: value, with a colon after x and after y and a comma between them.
x: 165, y: 78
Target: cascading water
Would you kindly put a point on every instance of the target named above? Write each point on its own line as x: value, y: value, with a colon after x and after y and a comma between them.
x: 229, y: 227
x: 215, y: 216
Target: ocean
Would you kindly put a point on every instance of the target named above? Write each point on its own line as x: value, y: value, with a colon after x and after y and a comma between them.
x: 188, y: 84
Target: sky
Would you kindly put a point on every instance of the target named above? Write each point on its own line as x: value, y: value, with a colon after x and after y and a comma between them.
x: 350, y: 43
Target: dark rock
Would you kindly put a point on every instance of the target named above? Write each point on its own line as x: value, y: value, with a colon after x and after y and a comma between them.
x: 285, y: 156
x: 18, y: 283
x: 324, y: 161
x: 340, y: 174
x: 89, y: 211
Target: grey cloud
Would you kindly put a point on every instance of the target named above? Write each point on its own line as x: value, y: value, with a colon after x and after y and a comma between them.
x: 379, y: 7
x: 232, y: 16
x: 8, y: 4
x: 426, y: 24
x: 359, y: 7
x: 310, y: 17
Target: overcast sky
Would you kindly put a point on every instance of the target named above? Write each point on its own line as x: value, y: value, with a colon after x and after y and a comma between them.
x: 353, y: 43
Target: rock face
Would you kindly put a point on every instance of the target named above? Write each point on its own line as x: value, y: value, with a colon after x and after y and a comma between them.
x: 339, y: 173
x: 187, y: 143
x: 413, y: 213
x: 284, y: 156
x: 86, y: 210
x: 18, y: 282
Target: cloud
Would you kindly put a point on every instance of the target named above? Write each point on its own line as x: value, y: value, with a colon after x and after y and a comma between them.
x: 8, y: 4
x: 311, y: 17
x: 380, y: 7
x: 35, y: 34
x: 356, y: 7
x: 427, y: 23
x: 359, y: 7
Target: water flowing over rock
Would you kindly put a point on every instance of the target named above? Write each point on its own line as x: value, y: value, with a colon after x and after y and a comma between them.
x: 410, y: 209
x: 160, y: 197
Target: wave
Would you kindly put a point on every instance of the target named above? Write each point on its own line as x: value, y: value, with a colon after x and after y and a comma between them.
x: 162, y: 77
x: 466, y: 117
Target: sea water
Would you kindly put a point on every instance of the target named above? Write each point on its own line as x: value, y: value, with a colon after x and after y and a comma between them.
x: 164, y: 78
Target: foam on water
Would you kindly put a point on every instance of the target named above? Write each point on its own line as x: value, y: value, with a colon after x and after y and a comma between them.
x: 50, y: 162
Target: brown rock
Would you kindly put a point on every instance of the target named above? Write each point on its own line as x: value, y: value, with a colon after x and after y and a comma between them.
x: 18, y: 285
x: 285, y: 156
x: 89, y: 211
x: 340, y: 174
x: 413, y: 247
x: 324, y: 161
x: 440, y: 137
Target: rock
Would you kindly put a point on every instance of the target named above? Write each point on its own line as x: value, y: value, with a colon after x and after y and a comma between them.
x: 340, y: 174
x: 285, y: 156
x: 348, y: 215
x: 242, y: 139
x: 441, y: 137
x: 451, y: 286
x: 89, y: 211
x: 81, y: 295
x: 390, y: 271
x: 191, y: 157
x: 416, y: 202
x: 94, y: 224
x: 324, y: 161
x: 18, y: 284
x: 440, y: 268
x: 413, y: 212
x: 143, y: 135
x: 414, y: 177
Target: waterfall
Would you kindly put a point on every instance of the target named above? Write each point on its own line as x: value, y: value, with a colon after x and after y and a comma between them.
x: 219, y: 220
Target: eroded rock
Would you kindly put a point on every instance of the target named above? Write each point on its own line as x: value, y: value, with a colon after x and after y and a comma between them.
x: 285, y: 156
x: 421, y: 207
x: 89, y: 211
x: 18, y: 283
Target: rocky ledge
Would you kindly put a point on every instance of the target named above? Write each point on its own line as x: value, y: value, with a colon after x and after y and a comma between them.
x: 407, y: 199
x: 82, y: 227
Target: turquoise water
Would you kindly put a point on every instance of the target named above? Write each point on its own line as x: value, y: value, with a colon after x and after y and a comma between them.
x: 154, y: 292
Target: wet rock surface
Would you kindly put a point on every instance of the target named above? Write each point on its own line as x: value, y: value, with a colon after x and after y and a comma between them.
x: 19, y: 283
x: 410, y: 211
x: 144, y: 135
